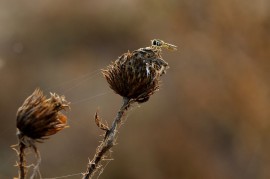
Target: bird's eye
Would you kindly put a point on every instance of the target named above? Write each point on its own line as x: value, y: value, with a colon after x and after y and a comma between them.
x: 154, y: 42
x: 158, y: 44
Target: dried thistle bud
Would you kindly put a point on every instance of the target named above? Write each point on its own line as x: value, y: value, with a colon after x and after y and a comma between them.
x: 100, y: 124
x: 39, y: 117
x: 136, y: 75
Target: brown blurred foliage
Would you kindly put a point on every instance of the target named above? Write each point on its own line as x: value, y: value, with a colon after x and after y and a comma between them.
x: 209, y: 120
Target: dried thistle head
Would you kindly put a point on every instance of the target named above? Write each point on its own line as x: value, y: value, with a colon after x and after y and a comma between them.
x: 39, y: 117
x: 136, y: 75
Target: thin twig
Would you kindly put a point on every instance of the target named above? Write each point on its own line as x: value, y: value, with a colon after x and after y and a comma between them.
x: 108, y: 141
x: 22, y: 160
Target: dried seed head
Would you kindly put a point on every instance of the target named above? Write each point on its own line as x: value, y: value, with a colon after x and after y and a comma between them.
x: 39, y: 117
x: 136, y: 75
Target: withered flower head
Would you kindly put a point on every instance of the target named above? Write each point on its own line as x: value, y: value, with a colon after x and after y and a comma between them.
x: 39, y: 117
x: 136, y: 75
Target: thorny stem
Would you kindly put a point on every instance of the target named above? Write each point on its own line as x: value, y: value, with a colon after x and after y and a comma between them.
x: 22, y: 161
x: 36, y: 167
x: 107, y: 142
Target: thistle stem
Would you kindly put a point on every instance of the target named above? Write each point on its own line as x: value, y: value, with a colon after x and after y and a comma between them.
x: 22, y: 160
x: 108, y: 141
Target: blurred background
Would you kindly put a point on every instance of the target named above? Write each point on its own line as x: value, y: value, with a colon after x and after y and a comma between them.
x: 210, y: 120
